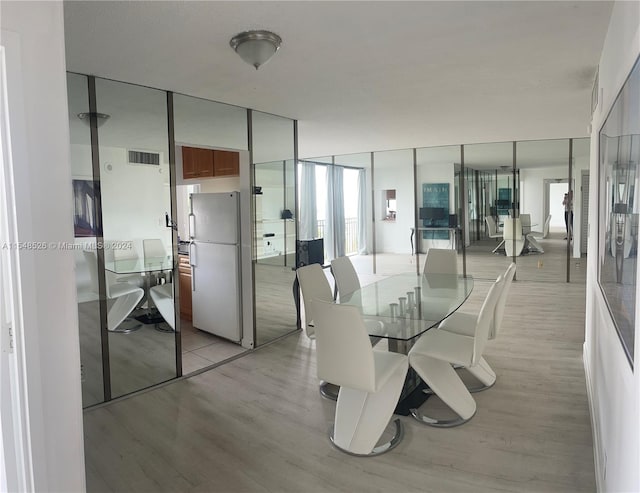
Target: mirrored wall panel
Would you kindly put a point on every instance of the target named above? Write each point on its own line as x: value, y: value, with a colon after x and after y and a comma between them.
x: 211, y: 149
x: 393, y: 210
x: 489, y: 200
x: 437, y: 206
x: 87, y: 227
x: 138, y: 251
x: 274, y: 234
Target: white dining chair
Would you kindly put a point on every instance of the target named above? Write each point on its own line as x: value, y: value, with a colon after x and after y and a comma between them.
x: 464, y: 323
x: 126, y: 296
x: 441, y: 261
x: 545, y: 229
x: 513, y: 238
x: 437, y: 350
x: 525, y: 220
x: 315, y: 287
x: 347, y: 283
x: 492, y: 229
x: 122, y: 251
x: 370, y: 381
x: 162, y: 297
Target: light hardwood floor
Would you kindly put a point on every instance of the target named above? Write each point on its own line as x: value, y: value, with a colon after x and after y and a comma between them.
x: 258, y: 423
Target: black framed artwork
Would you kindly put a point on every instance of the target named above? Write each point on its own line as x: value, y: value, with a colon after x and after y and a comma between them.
x: 86, y: 223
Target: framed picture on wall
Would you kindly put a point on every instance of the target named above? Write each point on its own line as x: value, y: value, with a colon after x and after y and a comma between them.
x: 620, y: 208
x: 85, y: 221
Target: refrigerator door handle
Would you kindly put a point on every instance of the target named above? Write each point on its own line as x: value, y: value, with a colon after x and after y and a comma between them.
x: 192, y: 261
x: 192, y: 226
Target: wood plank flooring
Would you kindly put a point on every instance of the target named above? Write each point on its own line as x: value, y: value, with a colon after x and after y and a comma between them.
x: 259, y: 424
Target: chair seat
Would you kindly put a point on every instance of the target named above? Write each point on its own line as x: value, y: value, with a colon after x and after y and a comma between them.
x: 386, y: 364
x: 122, y: 288
x: 447, y: 346
x: 460, y: 323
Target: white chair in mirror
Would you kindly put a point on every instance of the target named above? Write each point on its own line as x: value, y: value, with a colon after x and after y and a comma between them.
x: 545, y: 229
x: 162, y: 297
x: 513, y: 237
x: 315, y: 287
x: 441, y: 261
x: 465, y: 323
x: 126, y: 296
x: 122, y: 251
x: 525, y: 220
x: 370, y: 381
x: 437, y: 350
x: 492, y: 229
x: 155, y: 253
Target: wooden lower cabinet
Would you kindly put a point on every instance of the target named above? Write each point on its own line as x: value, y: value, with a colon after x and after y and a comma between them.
x: 184, y: 276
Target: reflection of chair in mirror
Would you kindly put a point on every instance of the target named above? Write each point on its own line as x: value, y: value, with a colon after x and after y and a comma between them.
x: 314, y: 286
x: 492, y: 228
x: 545, y: 229
x: 437, y: 350
x: 441, y: 261
x: 513, y: 239
x: 126, y: 296
x: 154, y: 252
x: 122, y: 252
x: 525, y: 220
x: 162, y: 296
x: 370, y: 381
x: 464, y: 323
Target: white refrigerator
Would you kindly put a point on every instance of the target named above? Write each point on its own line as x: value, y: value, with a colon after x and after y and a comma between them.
x: 214, y: 254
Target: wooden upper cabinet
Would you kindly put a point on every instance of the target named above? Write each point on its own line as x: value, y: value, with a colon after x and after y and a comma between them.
x: 200, y: 163
x: 226, y: 163
x: 196, y: 162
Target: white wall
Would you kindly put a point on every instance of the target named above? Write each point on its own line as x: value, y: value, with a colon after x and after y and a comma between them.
x: 40, y: 141
x: 614, y: 389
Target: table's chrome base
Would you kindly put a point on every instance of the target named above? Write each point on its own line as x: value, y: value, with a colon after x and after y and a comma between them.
x: 439, y: 423
x: 329, y: 390
x: 379, y: 449
x: 127, y: 325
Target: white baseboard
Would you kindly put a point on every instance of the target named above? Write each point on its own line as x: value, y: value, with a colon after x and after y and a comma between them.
x: 595, y: 429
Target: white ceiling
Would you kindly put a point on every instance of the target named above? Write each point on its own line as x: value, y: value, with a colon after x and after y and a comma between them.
x: 362, y: 76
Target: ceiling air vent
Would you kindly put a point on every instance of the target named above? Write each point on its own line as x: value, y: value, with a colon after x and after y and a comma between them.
x: 144, y: 157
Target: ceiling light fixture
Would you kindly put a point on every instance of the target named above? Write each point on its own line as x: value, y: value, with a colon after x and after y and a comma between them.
x: 256, y: 47
x: 101, y: 117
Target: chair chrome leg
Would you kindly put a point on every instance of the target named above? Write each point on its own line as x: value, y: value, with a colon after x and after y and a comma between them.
x: 378, y: 449
x: 329, y: 390
x: 439, y: 423
x: 480, y: 388
x: 129, y: 324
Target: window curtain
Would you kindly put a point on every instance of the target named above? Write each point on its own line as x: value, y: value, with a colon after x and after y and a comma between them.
x: 362, y: 213
x: 308, y: 207
x: 335, y: 224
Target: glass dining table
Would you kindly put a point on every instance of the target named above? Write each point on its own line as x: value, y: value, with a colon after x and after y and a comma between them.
x: 401, y: 308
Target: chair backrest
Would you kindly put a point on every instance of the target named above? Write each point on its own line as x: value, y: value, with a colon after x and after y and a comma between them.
x: 314, y: 286
x: 441, y: 261
x: 511, y: 232
x: 345, y: 275
x: 507, y: 278
x: 491, y: 226
x: 343, y: 350
x: 91, y: 260
x: 153, y: 249
x: 485, y: 317
x: 545, y: 229
x: 525, y: 219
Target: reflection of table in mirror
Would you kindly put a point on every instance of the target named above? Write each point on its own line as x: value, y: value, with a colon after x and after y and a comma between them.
x: 451, y: 232
x: 407, y: 305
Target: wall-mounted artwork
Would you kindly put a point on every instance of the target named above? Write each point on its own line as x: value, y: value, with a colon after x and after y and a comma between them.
x: 85, y: 222
x: 619, y: 209
x: 434, y: 212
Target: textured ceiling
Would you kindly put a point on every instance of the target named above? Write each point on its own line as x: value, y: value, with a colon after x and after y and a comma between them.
x: 363, y: 76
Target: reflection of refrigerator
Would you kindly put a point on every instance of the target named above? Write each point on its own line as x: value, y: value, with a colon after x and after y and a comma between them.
x: 214, y: 254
